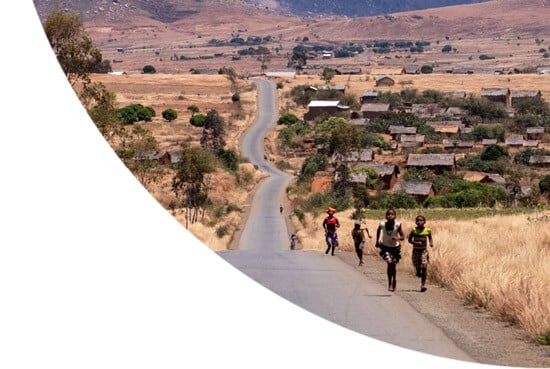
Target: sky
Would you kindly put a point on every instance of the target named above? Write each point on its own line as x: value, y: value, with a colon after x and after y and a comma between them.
x: 94, y: 273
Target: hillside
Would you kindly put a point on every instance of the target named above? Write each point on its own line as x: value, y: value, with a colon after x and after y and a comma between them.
x: 178, y: 36
x: 171, y: 10
x: 355, y: 8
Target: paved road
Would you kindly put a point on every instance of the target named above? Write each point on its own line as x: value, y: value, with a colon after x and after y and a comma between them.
x: 320, y: 283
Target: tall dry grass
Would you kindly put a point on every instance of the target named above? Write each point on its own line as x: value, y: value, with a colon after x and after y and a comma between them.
x: 500, y: 263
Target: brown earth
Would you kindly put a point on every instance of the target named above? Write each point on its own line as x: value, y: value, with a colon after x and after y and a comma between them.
x: 511, y: 31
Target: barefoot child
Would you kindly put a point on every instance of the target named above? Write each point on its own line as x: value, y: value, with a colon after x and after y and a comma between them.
x: 419, y: 238
x: 358, y: 235
x: 388, y: 237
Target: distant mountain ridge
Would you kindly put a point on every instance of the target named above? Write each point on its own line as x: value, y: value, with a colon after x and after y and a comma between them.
x: 168, y: 11
x: 358, y: 8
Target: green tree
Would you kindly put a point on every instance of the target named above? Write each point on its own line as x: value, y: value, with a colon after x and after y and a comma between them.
x: 72, y: 46
x: 484, y: 108
x: 426, y: 69
x: 312, y: 164
x: 197, y: 120
x: 135, y: 113
x: 191, y: 183
x: 400, y: 200
x: 138, y: 154
x: 213, y: 131
x: 229, y: 158
x: 102, y: 107
x: 532, y: 105
x: 170, y: 114
x: 446, y: 49
x: 344, y: 138
x: 544, y: 184
x: 288, y: 119
x: 149, y: 69
x: 328, y: 74
x: 493, y: 152
x: 482, y: 131
x: 323, y: 131
x: 299, y: 59
x: 194, y: 109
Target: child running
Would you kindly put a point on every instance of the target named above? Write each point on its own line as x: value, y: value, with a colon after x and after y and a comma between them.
x: 419, y: 238
x: 388, y: 237
x: 358, y: 235
x: 330, y: 224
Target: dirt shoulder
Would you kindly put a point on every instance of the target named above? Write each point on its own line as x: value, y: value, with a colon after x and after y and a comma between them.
x: 486, y: 339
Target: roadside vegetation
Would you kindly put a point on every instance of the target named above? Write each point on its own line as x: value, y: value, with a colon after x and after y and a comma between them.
x: 189, y: 176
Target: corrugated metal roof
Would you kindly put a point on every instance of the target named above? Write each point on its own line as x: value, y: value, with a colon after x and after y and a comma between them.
x: 535, y: 130
x: 431, y: 160
x: 353, y: 156
x: 323, y: 103
x: 514, y: 140
x: 375, y: 107
x: 539, y: 159
x: 458, y: 144
x: 413, y: 188
x: 395, y: 130
x: 524, y: 93
x: 496, y: 91
x: 382, y: 169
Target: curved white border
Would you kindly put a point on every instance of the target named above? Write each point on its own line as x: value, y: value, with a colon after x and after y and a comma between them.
x: 94, y: 273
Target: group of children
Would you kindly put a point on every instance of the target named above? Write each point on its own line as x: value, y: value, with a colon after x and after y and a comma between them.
x: 389, y: 236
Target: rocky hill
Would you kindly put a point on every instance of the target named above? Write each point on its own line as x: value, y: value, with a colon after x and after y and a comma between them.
x: 356, y: 8
x: 172, y: 10
x: 499, y: 18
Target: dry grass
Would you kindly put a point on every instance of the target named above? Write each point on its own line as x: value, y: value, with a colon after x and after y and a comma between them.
x: 162, y: 91
x: 499, y: 263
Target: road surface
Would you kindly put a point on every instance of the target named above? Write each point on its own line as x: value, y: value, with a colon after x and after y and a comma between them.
x: 319, y: 283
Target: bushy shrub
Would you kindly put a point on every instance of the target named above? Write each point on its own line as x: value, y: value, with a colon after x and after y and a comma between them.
x: 229, y: 158
x: 493, y: 152
x: 222, y: 231
x: 314, y: 163
x: 288, y: 119
x: 198, y: 120
x: 484, y: 108
x: 149, y: 69
x: 135, y: 113
x: 426, y: 69
x: 544, y: 184
x: 169, y: 114
x: 401, y: 200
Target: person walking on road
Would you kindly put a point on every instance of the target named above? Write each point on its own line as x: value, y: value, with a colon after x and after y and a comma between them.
x: 419, y: 237
x: 293, y: 239
x: 359, y: 239
x: 330, y: 224
x: 281, y: 209
x: 389, y: 235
